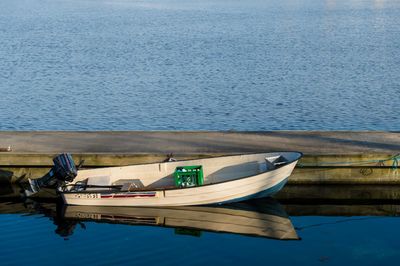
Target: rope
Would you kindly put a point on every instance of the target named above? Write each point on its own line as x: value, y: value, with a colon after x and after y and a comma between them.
x: 395, y: 163
x: 394, y: 158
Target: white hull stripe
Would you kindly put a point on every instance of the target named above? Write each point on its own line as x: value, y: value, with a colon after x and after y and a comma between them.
x: 129, y: 195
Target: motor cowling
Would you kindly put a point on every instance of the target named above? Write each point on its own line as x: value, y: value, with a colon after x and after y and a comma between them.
x: 64, y: 170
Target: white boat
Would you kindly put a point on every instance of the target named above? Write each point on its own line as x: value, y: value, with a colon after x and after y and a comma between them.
x: 226, y: 179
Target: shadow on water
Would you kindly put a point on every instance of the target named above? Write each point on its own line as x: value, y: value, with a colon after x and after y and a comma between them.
x: 6, y: 176
x: 351, y: 194
x: 261, y: 218
x: 265, y: 218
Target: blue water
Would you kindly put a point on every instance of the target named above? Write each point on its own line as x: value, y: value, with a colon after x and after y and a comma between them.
x: 30, y: 239
x: 189, y: 64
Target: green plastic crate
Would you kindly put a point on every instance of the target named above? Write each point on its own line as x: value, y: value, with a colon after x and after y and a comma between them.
x: 189, y: 176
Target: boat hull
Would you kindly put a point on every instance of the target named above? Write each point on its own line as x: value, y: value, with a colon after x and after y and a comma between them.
x: 261, y: 185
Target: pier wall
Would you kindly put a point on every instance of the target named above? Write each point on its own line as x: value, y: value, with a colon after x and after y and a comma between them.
x: 330, y: 157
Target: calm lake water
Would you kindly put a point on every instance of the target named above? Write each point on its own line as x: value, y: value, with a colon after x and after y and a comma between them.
x: 189, y: 64
x: 43, y: 233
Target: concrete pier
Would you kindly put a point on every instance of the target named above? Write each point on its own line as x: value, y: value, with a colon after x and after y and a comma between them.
x: 330, y: 157
x: 201, y: 142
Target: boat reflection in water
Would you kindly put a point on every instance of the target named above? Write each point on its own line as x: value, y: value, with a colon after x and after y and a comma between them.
x: 261, y: 218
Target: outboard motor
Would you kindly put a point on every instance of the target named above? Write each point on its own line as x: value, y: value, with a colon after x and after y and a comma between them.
x: 64, y: 170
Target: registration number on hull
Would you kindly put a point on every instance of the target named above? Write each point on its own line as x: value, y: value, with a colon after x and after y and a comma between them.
x: 87, y: 196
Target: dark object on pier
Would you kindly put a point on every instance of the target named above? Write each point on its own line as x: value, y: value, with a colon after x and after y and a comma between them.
x: 170, y: 158
x: 8, y: 149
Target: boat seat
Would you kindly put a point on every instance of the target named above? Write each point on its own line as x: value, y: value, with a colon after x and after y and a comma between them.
x: 275, y: 162
x: 98, y: 180
x: 131, y: 186
x: 136, y: 183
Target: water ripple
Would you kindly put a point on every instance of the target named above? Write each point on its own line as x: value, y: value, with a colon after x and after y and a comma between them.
x: 172, y: 64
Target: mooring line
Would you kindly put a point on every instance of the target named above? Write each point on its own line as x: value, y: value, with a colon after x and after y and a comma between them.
x: 395, y: 164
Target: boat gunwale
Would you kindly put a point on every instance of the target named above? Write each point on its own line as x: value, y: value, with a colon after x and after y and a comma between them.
x: 205, y: 185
